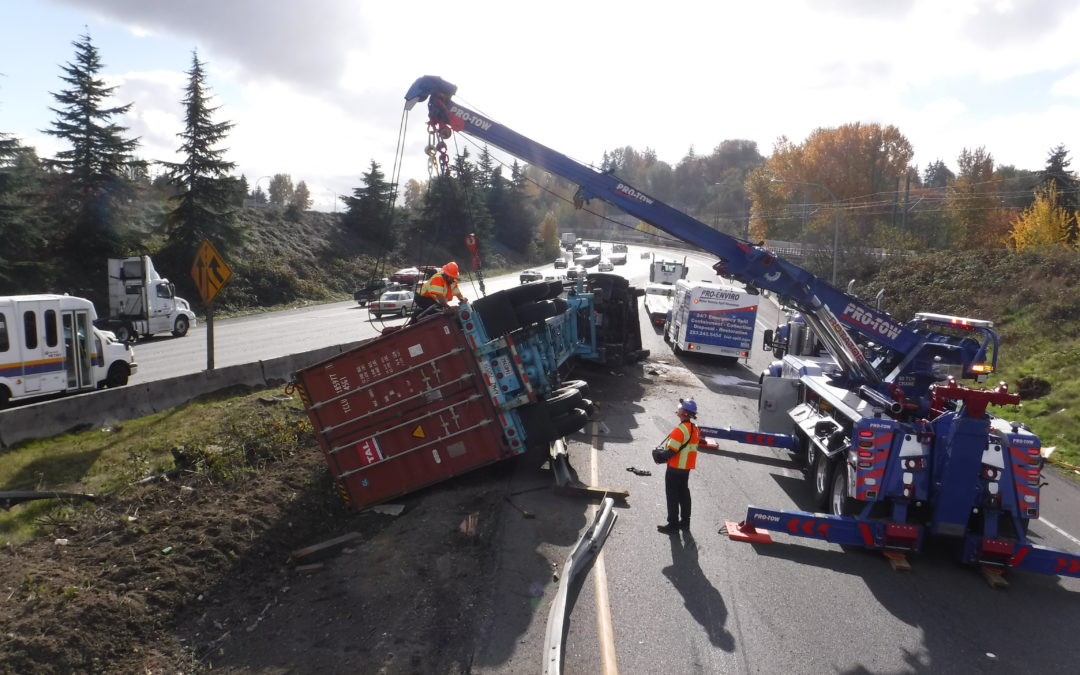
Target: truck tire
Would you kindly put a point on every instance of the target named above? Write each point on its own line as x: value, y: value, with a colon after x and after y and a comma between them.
x: 563, y: 401
x: 5, y: 397
x: 535, y: 312
x: 580, y: 385
x: 821, y: 479
x: 840, y: 502
x: 532, y: 291
x: 180, y: 328
x: 118, y: 375
x: 124, y: 333
x: 572, y: 421
x: 497, y: 313
x: 555, y: 289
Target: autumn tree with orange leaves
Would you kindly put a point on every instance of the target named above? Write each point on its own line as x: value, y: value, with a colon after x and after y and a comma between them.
x: 861, y: 164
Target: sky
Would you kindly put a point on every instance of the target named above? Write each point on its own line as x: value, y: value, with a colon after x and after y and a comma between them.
x: 316, y: 89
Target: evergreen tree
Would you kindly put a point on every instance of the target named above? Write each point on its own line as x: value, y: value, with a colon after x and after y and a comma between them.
x: 241, y: 192
x: 94, y: 182
x: 21, y: 254
x: 204, y: 205
x: 937, y: 175
x: 1067, y: 189
x: 369, y: 210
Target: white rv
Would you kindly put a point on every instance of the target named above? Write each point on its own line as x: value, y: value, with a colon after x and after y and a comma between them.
x: 49, y: 345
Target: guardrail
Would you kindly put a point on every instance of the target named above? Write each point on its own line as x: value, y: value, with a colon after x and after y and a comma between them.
x: 109, y: 406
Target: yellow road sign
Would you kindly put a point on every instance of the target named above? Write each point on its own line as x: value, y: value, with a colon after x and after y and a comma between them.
x: 209, y: 271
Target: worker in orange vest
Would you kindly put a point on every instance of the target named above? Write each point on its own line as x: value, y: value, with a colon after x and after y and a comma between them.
x: 439, y: 290
x: 680, y: 449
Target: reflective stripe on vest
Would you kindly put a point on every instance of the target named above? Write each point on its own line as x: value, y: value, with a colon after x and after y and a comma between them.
x: 435, y: 288
x: 687, y: 457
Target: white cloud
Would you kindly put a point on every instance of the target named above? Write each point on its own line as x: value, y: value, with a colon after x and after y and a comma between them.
x: 315, y: 89
x: 1067, y: 87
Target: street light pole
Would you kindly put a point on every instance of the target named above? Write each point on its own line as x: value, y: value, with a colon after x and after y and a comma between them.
x: 836, y: 218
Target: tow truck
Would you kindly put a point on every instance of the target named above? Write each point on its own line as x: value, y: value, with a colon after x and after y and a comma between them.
x: 895, y: 444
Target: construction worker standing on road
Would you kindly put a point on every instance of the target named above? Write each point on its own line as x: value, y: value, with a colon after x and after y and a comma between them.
x: 439, y: 290
x: 680, y: 448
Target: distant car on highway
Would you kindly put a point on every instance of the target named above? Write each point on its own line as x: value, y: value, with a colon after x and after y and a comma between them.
x: 530, y: 275
x: 393, y: 302
x: 575, y: 273
x: 372, y: 291
x: 605, y: 266
x: 561, y: 264
x: 658, y: 299
x: 406, y: 275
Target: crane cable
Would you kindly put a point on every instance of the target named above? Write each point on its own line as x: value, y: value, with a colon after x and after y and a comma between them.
x: 395, y: 176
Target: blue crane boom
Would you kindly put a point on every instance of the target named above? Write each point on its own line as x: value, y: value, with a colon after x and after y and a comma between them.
x: 890, y: 440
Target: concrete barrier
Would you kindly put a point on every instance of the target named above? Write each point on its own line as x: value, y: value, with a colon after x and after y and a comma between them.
x: 109, y: 406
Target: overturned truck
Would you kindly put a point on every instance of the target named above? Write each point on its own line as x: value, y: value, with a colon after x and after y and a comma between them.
x: 461, y: 389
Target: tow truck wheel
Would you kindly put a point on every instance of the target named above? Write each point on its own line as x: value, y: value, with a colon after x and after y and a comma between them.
x: 5, y: 396
x: 810, y: 455
x: 841, y: 503
x: 822, y: 474
x: 180, y: 328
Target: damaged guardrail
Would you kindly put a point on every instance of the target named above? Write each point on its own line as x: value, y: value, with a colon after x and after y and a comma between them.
x: 580, y: 559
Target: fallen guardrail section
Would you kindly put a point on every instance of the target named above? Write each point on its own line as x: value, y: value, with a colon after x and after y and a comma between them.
x: 579, y: 560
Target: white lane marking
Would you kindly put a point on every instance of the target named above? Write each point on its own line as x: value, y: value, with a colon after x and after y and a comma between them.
x: 604, y: 629
x: 1059, y: 530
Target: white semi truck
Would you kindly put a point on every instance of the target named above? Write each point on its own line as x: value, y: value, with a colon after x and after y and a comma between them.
x: 142, y: 303
x: 50, y: 345
x: 667, y: 271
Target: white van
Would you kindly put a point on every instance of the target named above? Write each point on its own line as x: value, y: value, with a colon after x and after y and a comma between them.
x: 712, y: 318
x: 49, y: 345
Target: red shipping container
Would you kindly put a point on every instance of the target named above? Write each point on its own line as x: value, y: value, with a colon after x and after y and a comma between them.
x: 403, y: 411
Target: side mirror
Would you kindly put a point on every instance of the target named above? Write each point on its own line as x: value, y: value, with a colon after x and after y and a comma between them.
x: 766, y: 340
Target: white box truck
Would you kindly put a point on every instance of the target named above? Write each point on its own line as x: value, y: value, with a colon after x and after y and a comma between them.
x: 142, y: 303
x: 667, y: 271
x: 49, y: 345
x: 712, y: 318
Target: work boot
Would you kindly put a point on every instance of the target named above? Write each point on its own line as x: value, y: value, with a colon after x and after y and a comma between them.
x: 685, y: 525
x: 667, y: 529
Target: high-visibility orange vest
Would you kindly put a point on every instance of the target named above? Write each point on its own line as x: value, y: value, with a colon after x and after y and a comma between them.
x: 684, y: 440
x: 436, y: 287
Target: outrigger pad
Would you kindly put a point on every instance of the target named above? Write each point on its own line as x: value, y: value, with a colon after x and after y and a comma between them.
x: 746, y: 532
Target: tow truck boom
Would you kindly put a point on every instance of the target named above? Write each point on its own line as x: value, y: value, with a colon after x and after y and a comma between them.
x: 889, y: 438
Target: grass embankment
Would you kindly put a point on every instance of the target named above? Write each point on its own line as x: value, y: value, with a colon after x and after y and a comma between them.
x: 1033, y: 298
x: 219, y: 438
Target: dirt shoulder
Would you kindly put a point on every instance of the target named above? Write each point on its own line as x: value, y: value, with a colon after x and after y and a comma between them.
x: 190, y: 576
x: 193, y: 574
